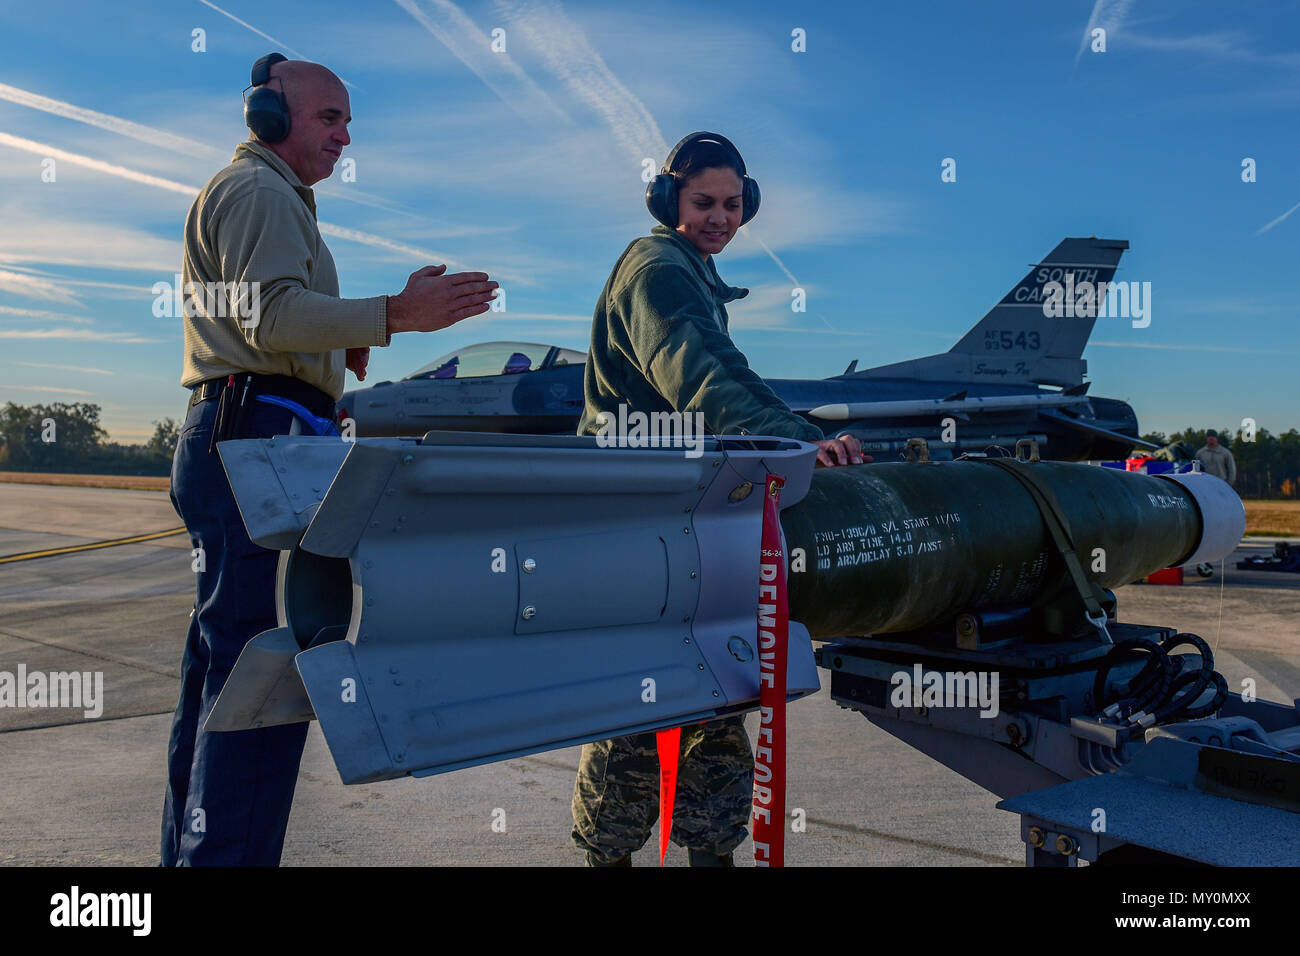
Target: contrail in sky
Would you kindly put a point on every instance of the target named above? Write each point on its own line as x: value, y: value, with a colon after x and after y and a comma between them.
x: 249, y: 26
x: 67, y: 368
x: 157, y: 182
x: 265, y: 36
x: 1266, y: 227
x: 90, y: 283
x: 164, y: 140
x: 1107, y: 14
x: 114, y: 124
x: 502, y: 75
x: 76, y: 159
x: 81, y: 335
x: 35, y: 287
x: 571, y: 57
x: 48, y: 388
x: 42, y: 314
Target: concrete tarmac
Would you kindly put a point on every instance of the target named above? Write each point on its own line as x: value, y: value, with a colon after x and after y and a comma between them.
x: 89, y: 791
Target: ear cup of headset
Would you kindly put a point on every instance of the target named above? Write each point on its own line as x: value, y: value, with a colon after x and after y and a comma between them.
x: 750, y: 198
x: 661, y: 199
x: 266, y: 112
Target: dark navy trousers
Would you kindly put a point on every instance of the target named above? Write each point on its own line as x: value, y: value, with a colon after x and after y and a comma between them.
x: 229, y: 793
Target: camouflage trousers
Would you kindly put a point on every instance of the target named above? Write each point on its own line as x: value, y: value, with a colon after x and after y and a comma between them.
x: 616, y: 796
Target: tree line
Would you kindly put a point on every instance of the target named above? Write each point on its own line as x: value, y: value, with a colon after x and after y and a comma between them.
x: 67, y: 437
x: 1268, y: 466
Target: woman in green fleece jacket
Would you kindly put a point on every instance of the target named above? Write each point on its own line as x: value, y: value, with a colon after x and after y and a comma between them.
x: 659, y: 338
x: 659, y: 343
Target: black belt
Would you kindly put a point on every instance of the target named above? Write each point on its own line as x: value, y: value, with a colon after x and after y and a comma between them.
x: 234, y: 392
x: 310, y: 397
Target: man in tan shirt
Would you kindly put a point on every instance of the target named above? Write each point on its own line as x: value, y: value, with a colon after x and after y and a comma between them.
x: 1215, y: 458
x: 267, y: 340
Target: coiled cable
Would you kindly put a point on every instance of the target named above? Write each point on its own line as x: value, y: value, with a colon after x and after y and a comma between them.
x: 1163, y: 689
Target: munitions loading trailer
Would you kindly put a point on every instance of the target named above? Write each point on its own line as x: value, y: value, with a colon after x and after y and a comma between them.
x: 460, y: 599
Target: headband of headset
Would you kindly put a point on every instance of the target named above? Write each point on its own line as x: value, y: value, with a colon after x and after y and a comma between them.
x: 703, y: 137
x: 266, y: 112
x: 261, y: 73
x: 661, y: 193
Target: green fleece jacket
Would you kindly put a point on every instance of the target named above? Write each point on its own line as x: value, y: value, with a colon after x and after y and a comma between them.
x: 659, y: 343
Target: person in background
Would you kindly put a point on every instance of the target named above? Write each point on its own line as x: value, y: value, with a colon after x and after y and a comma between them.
x: 1217, y: 460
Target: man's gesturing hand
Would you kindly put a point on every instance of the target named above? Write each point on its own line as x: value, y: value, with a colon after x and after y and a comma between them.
x: 433, y: 301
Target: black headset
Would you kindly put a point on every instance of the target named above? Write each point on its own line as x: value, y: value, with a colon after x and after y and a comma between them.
x: 661, y: 194
x: 265, y: 111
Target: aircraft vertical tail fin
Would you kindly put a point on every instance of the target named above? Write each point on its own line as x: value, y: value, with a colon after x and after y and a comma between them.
x: 1022, y: 340
x: 1019, y: 341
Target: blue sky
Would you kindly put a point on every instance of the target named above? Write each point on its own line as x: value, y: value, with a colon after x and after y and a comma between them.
x: 528, y: 165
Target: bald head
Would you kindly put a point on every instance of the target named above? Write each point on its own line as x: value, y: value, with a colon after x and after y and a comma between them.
x: 319, y: 113
x: 302, y: 79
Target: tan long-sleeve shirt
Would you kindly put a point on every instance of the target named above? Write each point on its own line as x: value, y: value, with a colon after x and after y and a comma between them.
x: 260, y: 283
x: 1218, y: 462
